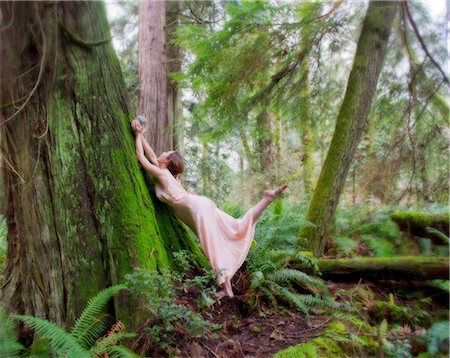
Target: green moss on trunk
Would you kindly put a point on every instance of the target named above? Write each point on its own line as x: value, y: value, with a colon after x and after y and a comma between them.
x: 79, y: 213
x: 351, y: 121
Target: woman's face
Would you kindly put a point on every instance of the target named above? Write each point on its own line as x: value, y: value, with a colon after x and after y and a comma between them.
x: 163, y: 159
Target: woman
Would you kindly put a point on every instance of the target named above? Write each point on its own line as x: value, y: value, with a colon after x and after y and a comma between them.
x: 224, y: 240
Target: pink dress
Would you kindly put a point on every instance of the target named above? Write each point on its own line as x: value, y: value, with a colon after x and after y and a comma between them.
x: 224, y: 239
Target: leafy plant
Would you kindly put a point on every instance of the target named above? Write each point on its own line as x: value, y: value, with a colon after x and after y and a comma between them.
x: 168, y: 321
x: 9, y: 347
x: 87, y: 337
x: 438, y: 337
x: 272, y: 273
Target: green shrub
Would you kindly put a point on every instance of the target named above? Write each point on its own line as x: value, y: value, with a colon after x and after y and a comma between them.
x: 168, y: 321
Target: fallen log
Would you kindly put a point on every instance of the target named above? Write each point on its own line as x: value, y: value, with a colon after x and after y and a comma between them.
x: 382, y: 268
x: 431, y: 226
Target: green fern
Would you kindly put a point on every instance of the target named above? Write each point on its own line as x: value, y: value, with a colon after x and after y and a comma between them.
x: 84, y: 338
x: 120, y: 352
x: 9, y: 347
x: 104, y: 344
x: 88, y: 327
x: 60, y: 340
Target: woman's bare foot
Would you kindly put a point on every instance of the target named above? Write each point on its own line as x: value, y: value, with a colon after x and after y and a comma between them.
x: 274, y: 193
x: 221, y: 294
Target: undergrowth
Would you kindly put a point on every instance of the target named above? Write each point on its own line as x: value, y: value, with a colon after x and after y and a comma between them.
x: 93, y: 334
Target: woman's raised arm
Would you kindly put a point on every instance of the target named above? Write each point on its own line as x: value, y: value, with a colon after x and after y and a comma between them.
x: 154, y: 170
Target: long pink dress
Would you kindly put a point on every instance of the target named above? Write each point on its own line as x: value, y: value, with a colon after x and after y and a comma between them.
x: 224, y: 239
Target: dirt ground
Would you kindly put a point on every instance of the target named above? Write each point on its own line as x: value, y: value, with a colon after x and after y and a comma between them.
x: 252, y: 335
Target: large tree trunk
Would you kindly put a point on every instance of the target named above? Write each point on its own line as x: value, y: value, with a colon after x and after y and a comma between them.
x: 78, y: 210
x: 153, y: 84
x: 351, y: 121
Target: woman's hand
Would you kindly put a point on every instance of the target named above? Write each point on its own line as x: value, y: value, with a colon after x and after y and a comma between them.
x: 137, y: 128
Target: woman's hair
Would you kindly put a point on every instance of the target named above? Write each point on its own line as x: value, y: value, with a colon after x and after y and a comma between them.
x: 176, y: 164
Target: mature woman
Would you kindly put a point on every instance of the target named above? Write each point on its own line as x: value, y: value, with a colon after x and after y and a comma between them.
x: 224, y: 239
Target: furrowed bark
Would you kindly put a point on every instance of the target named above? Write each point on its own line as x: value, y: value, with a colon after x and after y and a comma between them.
x: 79, y: 213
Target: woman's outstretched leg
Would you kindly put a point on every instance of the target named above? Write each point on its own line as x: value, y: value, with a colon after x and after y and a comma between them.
x: 268, y: 197
x: 253, y: 215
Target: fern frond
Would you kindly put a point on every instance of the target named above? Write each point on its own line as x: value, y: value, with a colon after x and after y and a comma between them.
x: 61, y: 342
x: 292, y: 275
x: 9, y: 347
x: 290, y: 297
x: 121, y: 352
x: 88, y: 327
x: 257, y: 279
x: 269, y: 295
x: 102, y: 345
x: 308, y: 261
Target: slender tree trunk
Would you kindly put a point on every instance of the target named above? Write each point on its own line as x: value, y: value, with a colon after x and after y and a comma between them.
x: 174, y: 65
x: 78, y: 210
x: 153, y: 84
x: 265, y: 143
x: 306, y: 133
x: 352, y: 118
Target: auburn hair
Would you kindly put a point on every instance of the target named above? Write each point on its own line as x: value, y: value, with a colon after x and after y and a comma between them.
x: 176, y: 164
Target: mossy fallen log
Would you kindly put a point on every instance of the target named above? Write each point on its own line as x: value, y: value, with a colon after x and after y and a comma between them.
x: 383, y: 268
x: 418, y: 224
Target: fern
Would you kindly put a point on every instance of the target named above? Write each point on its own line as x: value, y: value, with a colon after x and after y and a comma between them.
x: 121, y: 352
x: 88, y: 328
x: 103, y: 344
x: 62, y: 342
x: 83, y: 340
x: 9, y: 347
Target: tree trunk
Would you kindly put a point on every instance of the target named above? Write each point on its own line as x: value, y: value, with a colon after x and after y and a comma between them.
x: 264, y: 142
x: 174, y: 109
x: 351, y: 121
x: 306, y: 133
x: 153, y: 84
x: 384, y: 268
x: 78, y: 210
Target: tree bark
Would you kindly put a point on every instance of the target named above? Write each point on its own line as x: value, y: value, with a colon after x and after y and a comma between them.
x: 153, y: 83
x: 352, y: 118
x: 264, y: 142
x: 306, y: 133
x: 382, y: 268
x: 78, y: 210
x: 174, y: 95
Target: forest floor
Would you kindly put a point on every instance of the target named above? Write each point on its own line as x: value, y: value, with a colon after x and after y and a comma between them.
x: 260, y: 332
x: 251, y: 334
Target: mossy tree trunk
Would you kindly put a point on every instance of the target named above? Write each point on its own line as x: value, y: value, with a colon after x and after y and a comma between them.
x: 383, y: 268
x: 305, y: 115
x: 79, y: 213
x: 265, y: 147
x: 352, y: 118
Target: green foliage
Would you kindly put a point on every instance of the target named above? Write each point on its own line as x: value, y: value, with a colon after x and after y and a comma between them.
x: 85, y: 339
x: 91, y: 325
x: 438, y: 337
x: 270, y: 261
x: 167, y: 319
x: 9, y: 347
